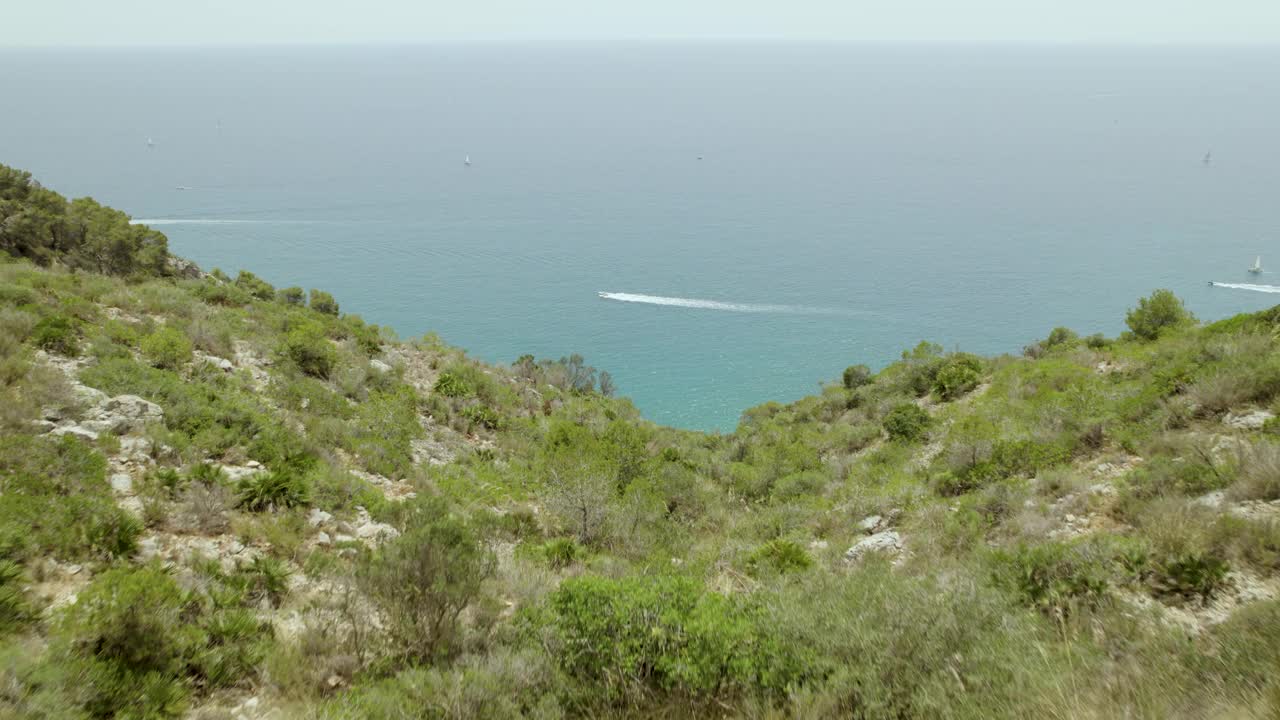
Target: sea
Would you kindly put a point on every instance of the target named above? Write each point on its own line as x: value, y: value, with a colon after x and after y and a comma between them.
x: 757, y: 215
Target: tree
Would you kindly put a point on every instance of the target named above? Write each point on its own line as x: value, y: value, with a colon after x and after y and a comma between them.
x: 1161, y: 311
x: 607, y: 388
x: 855, y: 376
x: 323, y: 302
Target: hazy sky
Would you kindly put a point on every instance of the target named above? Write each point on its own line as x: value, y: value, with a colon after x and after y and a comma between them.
x: 151, y: 22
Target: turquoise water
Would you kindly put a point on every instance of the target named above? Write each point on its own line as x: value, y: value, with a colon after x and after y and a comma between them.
x: 833, y: 204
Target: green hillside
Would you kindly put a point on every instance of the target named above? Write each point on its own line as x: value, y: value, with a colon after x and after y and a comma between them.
x: 222, y: 499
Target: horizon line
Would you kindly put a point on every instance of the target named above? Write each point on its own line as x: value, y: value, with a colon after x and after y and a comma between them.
x: 659, y: 40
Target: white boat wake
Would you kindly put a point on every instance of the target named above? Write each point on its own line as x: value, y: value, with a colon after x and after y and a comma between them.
x: 717, y: 305
x: 1249, y: 286
x: 212, y: 221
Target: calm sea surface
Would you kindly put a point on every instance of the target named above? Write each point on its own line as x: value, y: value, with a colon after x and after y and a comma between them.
x: 782, y: 212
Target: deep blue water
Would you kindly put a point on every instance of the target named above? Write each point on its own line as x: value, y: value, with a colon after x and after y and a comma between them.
x: 971, y: 196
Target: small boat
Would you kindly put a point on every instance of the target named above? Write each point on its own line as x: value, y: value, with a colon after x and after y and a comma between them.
x: 603, y: 295
x: 185, y: 187
x: 467, y: 161
x: 150, y: 143
x: 1256, y: 269
x: 1208, y: 157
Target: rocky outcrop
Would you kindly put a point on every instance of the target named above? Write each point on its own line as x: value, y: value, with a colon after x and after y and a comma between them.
x: 1251, y: 420
x: 886, y: 541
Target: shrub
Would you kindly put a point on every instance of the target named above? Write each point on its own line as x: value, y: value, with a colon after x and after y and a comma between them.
x: 1060, y: 336
x: 1096, y: 341
x: 483, y: 416
x: 453, y: 384
x: 167, y: 348
x: 780, y: 556
x: 1155, y: 314
x: 292, y: 296
x: 1259, y: 477
x: 127, y: 630
x: 56, y: 333
x: 855, y: 376
x: 906, y: 422
x: 421, y: 582
x: 55, y: 500
x: 323, y: 302
x: 1053, y: 576
x: 14, y: 608
x: 255, y: 285
x: 272, y: 490
x: 1187, y: 575
x: 631, y: 637
x: 560, y: 553
x: 311, y: 351
x: 957, y: 376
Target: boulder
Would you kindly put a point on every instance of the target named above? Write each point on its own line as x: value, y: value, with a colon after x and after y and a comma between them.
x: 871, y: 524
x: 380, y: 366
x: 1252, y: 420
x: 318, y: 517
x: 83, y: 433
x: 885, y: 541
x: 122, y: 483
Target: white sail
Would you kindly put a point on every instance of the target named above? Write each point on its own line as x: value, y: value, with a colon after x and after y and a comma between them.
x: 1257, y: 265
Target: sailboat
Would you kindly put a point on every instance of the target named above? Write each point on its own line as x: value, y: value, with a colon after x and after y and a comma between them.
x: 467, y: 161
x: 1257, y: 266
x: 150, y: 143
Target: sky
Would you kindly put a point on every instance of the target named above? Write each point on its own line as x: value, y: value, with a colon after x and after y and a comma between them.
x: 238, y: 22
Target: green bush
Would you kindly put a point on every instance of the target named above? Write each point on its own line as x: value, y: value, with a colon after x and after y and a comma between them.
x: 855, y: 376
x: 1155, y: 314
x: 560, y: 553
x: 323, y: 302
x: 482, y: 416
x: 1053, y: 576
x: 421, y: 582
x: 15, y: 610
x: 127, y: 630
x: 56, y: 333
x: 255, y: 285
x: 55, y: 500
x: 1060, y: 336
x: 292, y: 296
x: 632, y: 637
x: 906, y: 422
x: 272, y: 490
x: 958, y: 375
x: 167, y: 348
x: 780, y: 556
x: 311, y: 351
x: 1193, y: 574
x: 454, y: 385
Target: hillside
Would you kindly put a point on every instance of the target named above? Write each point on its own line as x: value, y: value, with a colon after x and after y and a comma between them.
x: 222, y: 499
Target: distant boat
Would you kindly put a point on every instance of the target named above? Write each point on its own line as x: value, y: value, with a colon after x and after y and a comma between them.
x: 185, y: 187
x: 150, y: 143
x: 467, y: 161
x: 1257, y: 266
x: 1208, y: 157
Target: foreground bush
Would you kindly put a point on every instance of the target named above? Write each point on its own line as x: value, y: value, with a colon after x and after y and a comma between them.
x: 627, y: 638
x: 422, y: 581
